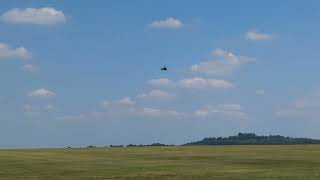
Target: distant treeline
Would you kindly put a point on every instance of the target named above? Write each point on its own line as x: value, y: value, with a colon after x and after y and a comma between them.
x: 131, y: 145
x: 240, y: 139
x: 251, y: 138
x: 147, y: 145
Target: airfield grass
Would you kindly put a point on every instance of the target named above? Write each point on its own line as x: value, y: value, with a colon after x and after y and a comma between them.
x: 184, y: 162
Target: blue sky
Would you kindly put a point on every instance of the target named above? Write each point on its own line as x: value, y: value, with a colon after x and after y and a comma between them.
x: 88, y: 73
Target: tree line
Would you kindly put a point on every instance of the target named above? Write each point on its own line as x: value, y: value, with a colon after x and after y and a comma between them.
x: 251, y: 138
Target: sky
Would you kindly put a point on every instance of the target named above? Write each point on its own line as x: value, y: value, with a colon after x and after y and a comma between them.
x: 88, y: 73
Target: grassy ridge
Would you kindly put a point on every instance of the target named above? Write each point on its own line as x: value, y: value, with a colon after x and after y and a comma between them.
x: 187, y: 162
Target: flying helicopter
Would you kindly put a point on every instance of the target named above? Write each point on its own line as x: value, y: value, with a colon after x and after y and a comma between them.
x: 164, y: 68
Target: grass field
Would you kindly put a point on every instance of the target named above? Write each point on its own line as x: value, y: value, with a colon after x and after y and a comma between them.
x: 202, y: 162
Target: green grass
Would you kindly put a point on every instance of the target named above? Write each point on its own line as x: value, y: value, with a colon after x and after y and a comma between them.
x: 198, y: 162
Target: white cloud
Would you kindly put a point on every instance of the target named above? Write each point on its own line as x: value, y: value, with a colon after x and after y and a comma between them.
x: 169, y: 23
x: 38, y: 108
x: 201, y: 83
x: 48, y: 107
x: 255, y: 36
x: 30, y: 68
x: 105, y: 104
x: 226, y: 63
x: 157, y: 94
x: 160, y: 82
x: 74, y: 117
x: 307, y: 107
x: 127, y: 108
x: 155, y: 112
x: 230, y: 107
x: 42, y: 93
x: 116, y: 109
x: 7, y: 52
x: 192, y: 83
x: 40, y: 16
x: 126, y: 101
x: 228, y: 111
x: 260, y: 92
x: 125, y: 112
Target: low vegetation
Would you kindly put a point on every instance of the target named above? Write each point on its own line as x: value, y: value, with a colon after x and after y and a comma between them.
x: 263, y: 162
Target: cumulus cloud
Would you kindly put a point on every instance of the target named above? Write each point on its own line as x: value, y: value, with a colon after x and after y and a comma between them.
x: 40, y: 16
x: 256, y: 36
x: 7, y: 52
x: 192, y: 83
x: 225, y: 64
x: 117, y: 109
x: 221, y: 111
x: 42, y: 93
x: 169, y: 23
x: 30, y: 68
x: 156, y: 94
x: 127, y: 108
x: 307, y: 107
x: 228, y: 111
x: 125, y: 112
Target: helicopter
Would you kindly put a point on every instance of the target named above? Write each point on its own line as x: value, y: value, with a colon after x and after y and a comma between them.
x: 164, y: 68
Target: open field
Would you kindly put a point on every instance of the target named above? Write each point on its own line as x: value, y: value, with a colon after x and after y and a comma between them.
x: 197, y: 162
